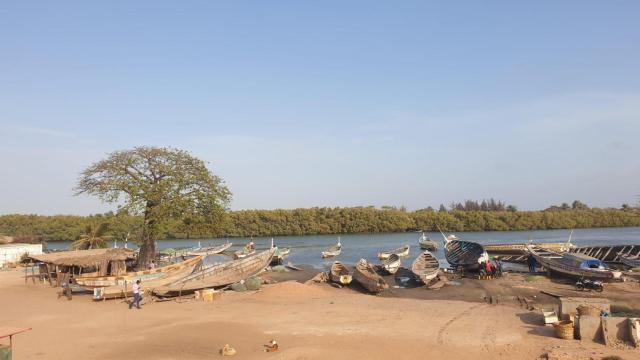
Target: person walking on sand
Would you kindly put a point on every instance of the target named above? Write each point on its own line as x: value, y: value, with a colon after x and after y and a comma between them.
x: 136, y: 295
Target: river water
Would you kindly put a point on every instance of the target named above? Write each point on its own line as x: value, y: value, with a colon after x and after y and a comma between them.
x: 306, y: 249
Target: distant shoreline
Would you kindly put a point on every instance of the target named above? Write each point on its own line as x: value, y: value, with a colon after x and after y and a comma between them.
x: 325, y: 221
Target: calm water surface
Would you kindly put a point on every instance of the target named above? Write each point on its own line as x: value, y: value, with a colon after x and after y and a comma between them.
x: 306, y: 249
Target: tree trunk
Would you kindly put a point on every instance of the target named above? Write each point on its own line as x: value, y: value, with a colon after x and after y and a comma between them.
x: 148, y: 244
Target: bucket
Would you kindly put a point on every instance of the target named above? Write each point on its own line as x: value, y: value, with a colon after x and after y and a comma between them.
x: 564, y: 329
x: 588, y: 310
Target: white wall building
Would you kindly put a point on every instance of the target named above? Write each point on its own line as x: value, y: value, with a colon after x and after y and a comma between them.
x: 13, y: 252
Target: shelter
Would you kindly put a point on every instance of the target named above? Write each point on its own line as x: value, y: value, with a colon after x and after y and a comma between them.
x: 94, y: 262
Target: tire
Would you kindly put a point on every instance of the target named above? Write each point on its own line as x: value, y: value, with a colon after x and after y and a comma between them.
x: 580, y: 286
x: 598, y: 288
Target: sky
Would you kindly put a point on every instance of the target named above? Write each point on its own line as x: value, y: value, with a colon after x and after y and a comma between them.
x: 327, y: 103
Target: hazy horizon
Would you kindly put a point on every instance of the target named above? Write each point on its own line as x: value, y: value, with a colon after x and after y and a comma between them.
x: 305, y: 104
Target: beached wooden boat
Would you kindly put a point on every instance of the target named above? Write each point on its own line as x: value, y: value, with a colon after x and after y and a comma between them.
x: 391, y: 264
x: 465, y: 254
x: 401, y: 252
x: 426, y: 243
x: 367, y: 277
x: 218, y: 275
x: 425, y: 267
x: 243, y: 253
x: 519, y: 249
x: 209, y: 250
x: 339, y: 274
x: 335, y: 250
x: 144, y: 275
x: 124, y: 287
x: 630, y: 260
x: 573, y: 265
x: 279, y: 255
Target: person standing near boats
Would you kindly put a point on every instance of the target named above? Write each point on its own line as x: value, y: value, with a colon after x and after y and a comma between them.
x: 136, y: 295
x: 532, y: 263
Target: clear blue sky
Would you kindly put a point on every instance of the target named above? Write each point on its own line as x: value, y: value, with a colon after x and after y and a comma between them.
x: 327, y: 103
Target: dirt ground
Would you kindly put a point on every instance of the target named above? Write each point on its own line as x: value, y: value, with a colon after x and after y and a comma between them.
x: 308, y: 321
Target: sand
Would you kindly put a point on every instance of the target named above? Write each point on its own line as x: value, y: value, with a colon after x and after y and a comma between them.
x: 308, y: 321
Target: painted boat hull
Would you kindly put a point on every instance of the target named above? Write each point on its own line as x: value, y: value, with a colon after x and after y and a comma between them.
x: 554, y: 264
x: 460, y: 253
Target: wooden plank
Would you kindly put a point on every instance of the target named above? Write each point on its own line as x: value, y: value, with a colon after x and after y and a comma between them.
x: 551, y: 294
x: 6, y: 331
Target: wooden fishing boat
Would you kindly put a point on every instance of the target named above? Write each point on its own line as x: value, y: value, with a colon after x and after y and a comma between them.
x: 464, y: 254
x: 630, y: 260
x: 279, y: 255
x: 391, y: 264
x: 243, y: 253
x: 573, y: 265
x: 425, y: 267
x: 401, y: 252
x: 218, y: 275
x: 124, y: 287
x: 209, y: 250
x: 367, y: 277
x: 339, y: 274
x: 426, y: 243
x: 144, y: 275
x: 519, y: 249
x: 335, y: 250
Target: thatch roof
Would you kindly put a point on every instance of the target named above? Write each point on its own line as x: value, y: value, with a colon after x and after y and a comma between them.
x: 83, y: 258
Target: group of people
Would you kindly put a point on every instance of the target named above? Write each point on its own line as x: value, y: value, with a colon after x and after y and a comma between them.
x: 491, y: 267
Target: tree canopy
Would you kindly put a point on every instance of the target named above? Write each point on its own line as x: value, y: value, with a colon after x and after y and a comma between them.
x: 163, y: 185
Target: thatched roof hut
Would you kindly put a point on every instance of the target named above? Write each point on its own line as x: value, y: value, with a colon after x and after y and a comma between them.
x: 84, y: 258
x: 99, y: 262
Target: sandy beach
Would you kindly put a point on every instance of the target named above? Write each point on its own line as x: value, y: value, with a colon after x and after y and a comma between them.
x: 308, y: 321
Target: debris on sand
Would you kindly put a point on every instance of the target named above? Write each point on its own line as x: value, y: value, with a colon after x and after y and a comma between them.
x: 319, y: 278
x: 227, y: 350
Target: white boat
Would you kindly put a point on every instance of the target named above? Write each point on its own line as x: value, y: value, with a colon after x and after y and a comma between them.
x: 391, y: 264
x: 335, y: 250
x: 402, y: 251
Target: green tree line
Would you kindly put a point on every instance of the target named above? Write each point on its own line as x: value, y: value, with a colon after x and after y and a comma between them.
x: 312, y: 221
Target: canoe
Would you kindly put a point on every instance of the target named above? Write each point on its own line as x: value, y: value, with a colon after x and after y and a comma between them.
x: 340, y: 274
x: 367, y: 277
x: 144, y: 275
x: 401, y: 252
x: 218, y: 275
x: 464, y: 254
x: 209, y: 250
x: 391, y: 264
x: 426, y: 243
x: 335, y: 250
x: 519, y: 249
x: 279, y: 255
x: 123, y: 288
x: 241, y: 254
x: 425, y: 267
x: 573, y: 265
x: 630, y: 260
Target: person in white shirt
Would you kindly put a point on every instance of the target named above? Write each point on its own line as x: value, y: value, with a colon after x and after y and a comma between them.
x: 136, y: 295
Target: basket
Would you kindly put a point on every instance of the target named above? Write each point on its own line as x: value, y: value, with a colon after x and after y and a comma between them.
x: 564, y: 329
x: 587, y: 310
